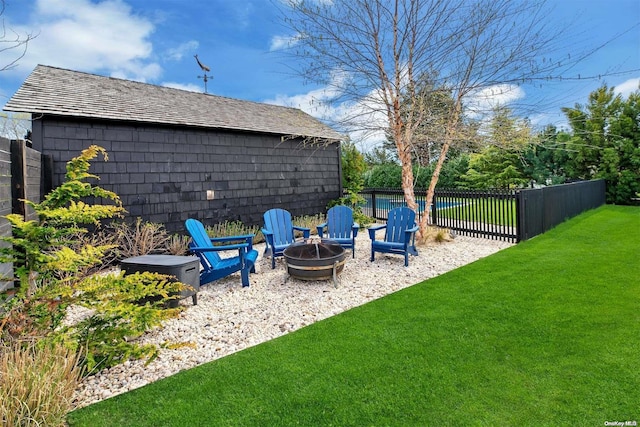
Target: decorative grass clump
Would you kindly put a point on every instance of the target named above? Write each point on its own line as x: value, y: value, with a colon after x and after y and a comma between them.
x: 237, y: 228
x: 541, y: 334
x: 436, y: 235
x: 36, y: 384
x: 309, y: 221
x: 234, y: 228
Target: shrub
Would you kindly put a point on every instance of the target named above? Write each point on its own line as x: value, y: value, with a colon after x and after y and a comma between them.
x: 177, y: 244
x: 353, y: 167
x: 237, y: 228
x: 355, y: 201
x: 124, y: 240
x: 104, y: 237
x: 435, y: 234
x: 234, y: 228
x: 53, y: 260
x: 308, y: 221
x: 141, y: 238
x: 122, y: 308
x: 36, y: 384
x: 384, y: 176
x: 390, y: 175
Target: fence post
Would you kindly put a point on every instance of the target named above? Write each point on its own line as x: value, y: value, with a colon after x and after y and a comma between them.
x: 434, y: 206
x: 519, y: 217
x: 18, y: 178
x: 373, y: 203
x: 46, y: 183
x: 6, y: 269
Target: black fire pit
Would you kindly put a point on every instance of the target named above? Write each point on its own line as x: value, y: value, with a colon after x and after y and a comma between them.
x: 315, y: 260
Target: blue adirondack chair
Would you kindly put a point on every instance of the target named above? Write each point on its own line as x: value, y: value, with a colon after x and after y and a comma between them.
x: 213, y: 266
x: 399, y: 236
x: 340, y: 227
x: 279, y: 233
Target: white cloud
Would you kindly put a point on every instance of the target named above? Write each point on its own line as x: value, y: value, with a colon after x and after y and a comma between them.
x: 190, y: 87
x: 372, y: 122
x: 312, y: 102
x: 557, y: 119
x: 282, y: 42
x: 87, y: 36
x: 626, y: 88
x: 366, y: 118
x: 138, y: 71
x: 297, y: 2
x: 486, y: 99
x: 177, y: 53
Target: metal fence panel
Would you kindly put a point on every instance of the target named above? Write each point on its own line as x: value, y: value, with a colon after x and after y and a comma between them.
x: 511, y: 215
x: 477, y: 213
x: 463, y: 211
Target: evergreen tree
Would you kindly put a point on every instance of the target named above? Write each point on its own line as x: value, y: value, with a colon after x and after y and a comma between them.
x: 606, y: 142
x: 546, y: 159
x: 500, y: 163
x: 353, y: 168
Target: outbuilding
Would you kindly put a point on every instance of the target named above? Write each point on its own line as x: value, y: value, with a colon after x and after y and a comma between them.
x: 176, y: 154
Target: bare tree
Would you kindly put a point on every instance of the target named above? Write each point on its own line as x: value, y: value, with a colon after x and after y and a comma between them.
x: 15, y: 125
x: 12, y: 41
x: 372, y: 53
x: 430, y: 133
x: 13, y: 45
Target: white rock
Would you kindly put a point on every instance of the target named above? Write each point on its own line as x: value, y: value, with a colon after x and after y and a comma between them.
x: 229, y: 318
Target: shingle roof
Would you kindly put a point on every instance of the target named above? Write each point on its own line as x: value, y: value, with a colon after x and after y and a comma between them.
x: 50, y: 90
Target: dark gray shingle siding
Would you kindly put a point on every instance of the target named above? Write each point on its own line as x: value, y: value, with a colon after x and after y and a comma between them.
x: 166, y: 181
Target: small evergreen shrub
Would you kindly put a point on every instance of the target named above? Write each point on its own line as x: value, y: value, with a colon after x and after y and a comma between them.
x: 353, y: 170
x: 122, y: 308
x: 53, y: 263
x: 105, y: 237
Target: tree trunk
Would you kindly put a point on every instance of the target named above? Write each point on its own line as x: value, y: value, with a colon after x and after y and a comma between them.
x: 432, y: 186
x: 449, y: 137
x: 407, y: 179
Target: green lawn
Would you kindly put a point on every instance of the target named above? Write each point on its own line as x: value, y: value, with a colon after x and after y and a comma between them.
x: 543, y: 333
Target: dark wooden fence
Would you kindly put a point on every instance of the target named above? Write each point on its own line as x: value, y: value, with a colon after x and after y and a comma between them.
x: 510, y: 215
x: 541, y: 209
x: 5, y: 204
x: 20, y: 179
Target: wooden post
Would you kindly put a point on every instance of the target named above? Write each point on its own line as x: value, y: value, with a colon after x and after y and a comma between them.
x: 18, y: 181
x: 18, y: 177
x: 46, y: 183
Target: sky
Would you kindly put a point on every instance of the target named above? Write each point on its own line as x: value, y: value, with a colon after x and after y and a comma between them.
x: 154, y: 41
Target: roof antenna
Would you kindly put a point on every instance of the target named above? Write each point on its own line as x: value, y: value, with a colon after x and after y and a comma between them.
x: 204, y: 68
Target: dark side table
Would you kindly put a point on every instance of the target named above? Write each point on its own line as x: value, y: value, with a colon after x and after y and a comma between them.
x: 186, y: 269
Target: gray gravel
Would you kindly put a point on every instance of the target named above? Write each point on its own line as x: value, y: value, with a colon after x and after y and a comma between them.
x: 229, y: 318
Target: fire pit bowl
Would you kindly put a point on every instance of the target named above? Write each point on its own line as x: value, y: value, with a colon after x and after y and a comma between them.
x: 315, y: 260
